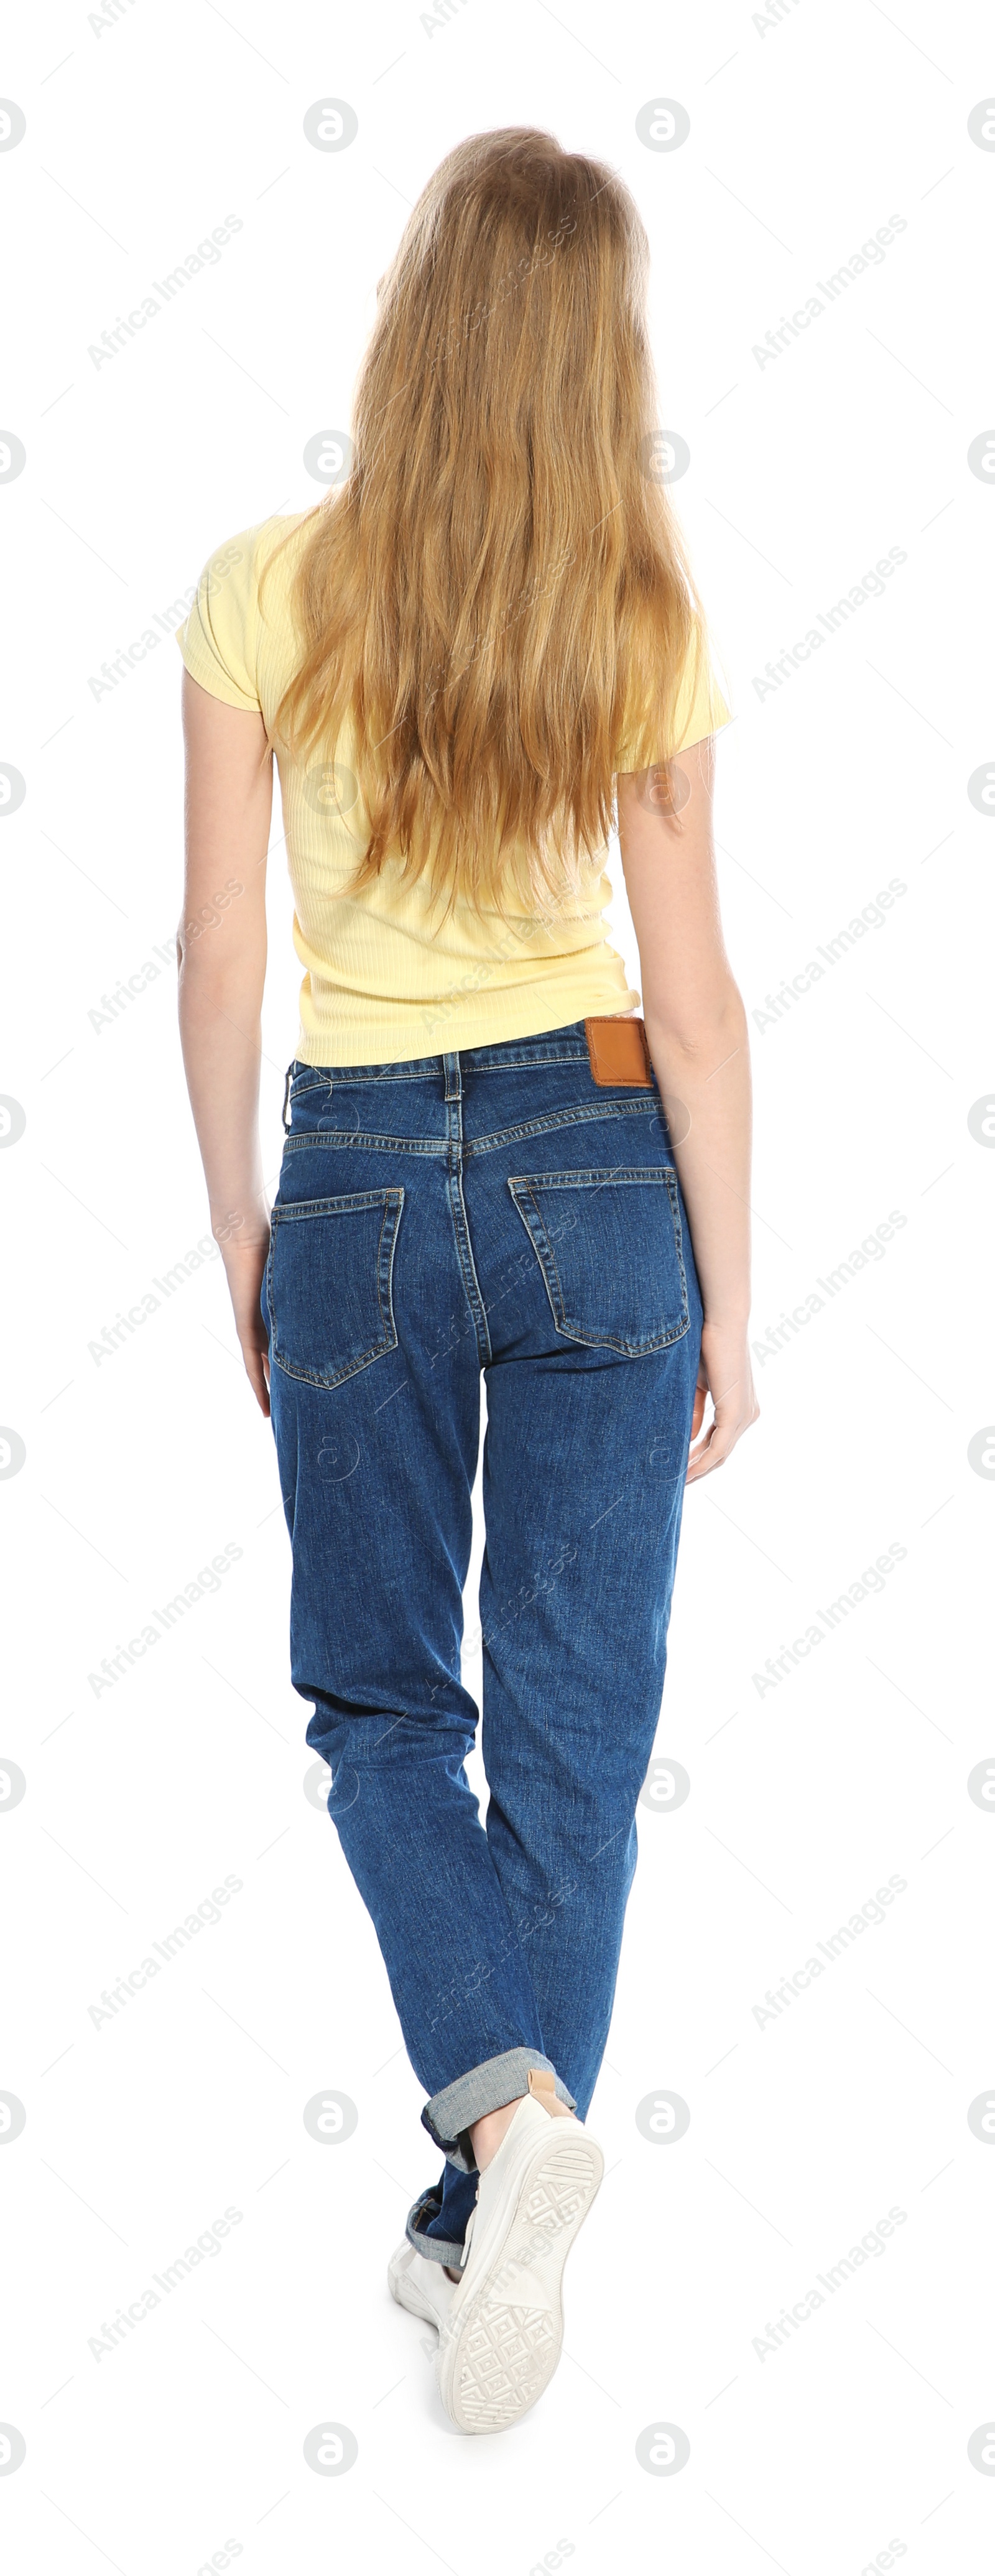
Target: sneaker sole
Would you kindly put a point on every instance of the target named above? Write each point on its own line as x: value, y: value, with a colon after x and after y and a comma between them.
x: 500, y: 2350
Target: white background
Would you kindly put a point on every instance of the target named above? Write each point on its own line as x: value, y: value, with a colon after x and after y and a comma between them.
x: 144, y: 129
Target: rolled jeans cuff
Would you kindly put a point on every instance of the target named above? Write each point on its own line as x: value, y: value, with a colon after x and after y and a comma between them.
x: 436, y: 2248
x: 449, y: 2115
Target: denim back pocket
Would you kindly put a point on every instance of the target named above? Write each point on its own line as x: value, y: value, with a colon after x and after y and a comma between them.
x: 328, y: 1284
x: 609, y: 1245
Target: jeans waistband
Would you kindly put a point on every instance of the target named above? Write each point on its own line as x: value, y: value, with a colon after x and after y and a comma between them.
x: 553, y: 1046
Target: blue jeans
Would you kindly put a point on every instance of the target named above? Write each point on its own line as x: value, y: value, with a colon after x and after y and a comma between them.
x: 489, y: 1209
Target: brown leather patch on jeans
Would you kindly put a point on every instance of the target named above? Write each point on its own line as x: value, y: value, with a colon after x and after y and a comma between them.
x: 619, y: 1052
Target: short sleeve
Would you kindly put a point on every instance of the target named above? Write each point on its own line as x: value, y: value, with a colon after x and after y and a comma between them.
x: 218, y: 636
x: 699, y: 709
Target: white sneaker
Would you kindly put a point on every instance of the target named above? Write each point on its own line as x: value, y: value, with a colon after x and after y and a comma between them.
x: 419, y: 2284
x: 501, y: 2337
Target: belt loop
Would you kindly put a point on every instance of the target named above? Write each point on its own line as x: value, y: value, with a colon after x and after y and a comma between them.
x: 286, y: 1096
x: 451, y: 1064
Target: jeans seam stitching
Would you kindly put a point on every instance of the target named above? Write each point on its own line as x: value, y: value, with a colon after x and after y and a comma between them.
x: 350, y: 1136
x: 555, y: 1119
x: 468, y: 1268
x: 387, y: 1317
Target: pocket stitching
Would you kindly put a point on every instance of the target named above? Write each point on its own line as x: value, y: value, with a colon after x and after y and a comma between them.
x: 567, y: 1180
x: 393, y: 1203
x: 537, y: 1216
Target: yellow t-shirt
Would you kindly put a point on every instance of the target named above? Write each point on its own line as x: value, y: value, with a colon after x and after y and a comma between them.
x: 385, y: 978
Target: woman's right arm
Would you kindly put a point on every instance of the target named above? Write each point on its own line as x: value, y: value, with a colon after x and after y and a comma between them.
x: 221, y: 954
x: 697, y: 1034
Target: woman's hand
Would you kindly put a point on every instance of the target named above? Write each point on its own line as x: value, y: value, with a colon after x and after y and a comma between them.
x: 726, y: 1375
x: 245, y: 1264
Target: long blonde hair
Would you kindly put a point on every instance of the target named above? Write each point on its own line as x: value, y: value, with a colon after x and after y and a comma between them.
x: 498, y: 592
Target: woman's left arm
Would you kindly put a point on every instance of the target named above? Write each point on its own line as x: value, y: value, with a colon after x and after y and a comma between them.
x: 221, y: 954
x: 696, y: 1031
